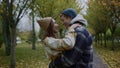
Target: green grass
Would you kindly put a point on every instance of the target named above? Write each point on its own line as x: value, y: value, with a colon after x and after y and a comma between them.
x: 26, y: 57
x: 112, y: 58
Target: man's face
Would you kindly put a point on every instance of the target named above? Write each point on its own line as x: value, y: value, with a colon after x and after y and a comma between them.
x: 65, y: 20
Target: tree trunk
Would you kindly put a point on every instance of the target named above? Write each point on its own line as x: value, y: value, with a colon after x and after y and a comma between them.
x: 6, y: 36
x: 33, y: 34
x: 105, y: 40
x: 0, y: 44
x: 13, y: 48
x: 5, y: 28
x: 101, y: 38
x: 8, y: 41
x: 1, y: 39
x: 112, y: 41
x: 98, y: 38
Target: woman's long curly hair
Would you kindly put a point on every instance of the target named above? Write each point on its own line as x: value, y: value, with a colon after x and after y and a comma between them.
x: 50, y: 31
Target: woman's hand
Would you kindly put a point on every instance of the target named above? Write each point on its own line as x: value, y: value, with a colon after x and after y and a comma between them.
x: 74, y: 26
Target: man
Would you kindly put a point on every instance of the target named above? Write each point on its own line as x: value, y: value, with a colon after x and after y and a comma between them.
x: 79, y: 55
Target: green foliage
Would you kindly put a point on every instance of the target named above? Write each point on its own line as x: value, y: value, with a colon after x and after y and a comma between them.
x: 103, y: 17
x: 0, y: 21
x: 1, y: 10
x: 97, y: 16
x: 53, y: 8
x: 108, y: 33
x: 91, y: 30
x: 117, y: 31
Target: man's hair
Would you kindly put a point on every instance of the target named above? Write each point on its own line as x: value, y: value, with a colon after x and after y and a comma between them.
x: 66, y: 16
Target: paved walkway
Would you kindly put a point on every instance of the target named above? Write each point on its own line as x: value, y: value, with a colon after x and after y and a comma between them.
x: 98, y: 61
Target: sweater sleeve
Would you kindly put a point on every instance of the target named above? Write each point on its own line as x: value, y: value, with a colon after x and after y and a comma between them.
x: 65, y: 43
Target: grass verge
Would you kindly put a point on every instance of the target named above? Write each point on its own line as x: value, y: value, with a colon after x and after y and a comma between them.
x: 112, y: 58
x: 26, y: 57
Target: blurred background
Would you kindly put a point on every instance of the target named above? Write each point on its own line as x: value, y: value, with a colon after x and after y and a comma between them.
x: 20, y: 34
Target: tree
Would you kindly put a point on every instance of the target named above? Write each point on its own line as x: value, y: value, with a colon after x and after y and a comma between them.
x: 53, y: 8
x: 13, y: 11
x: 33, y: 28
x: 98, y: 21
x: 114, y: 8
x: 5, y: 28
x: 1, y: 36
x: 117, y: 31
x: 107, y: 14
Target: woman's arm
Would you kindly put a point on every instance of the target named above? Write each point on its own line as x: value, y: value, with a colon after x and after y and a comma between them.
x: 62, y: 44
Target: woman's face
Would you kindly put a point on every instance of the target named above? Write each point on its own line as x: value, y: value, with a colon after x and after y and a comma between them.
x: 55, y: 27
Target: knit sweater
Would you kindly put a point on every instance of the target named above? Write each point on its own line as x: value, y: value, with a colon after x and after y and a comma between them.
x: 54, y: 47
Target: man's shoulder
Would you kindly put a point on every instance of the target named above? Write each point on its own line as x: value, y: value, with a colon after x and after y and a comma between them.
x: 81, y: 29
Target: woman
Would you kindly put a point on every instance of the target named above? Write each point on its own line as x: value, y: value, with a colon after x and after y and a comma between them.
x: 54, y: 47
x: 50, y: 28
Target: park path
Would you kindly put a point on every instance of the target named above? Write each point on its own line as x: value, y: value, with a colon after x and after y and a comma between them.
x: 98, y: 61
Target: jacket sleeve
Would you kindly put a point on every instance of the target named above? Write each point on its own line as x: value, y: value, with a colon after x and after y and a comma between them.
x: 65, y: 43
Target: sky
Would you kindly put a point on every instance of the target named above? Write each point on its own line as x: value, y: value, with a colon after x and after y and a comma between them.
x: 83, y: 4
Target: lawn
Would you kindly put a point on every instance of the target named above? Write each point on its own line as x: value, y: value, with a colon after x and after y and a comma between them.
x: 26, y: 57
x: 112, y: 58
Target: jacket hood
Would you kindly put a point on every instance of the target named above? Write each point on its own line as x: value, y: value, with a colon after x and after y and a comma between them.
x: 79, y: 18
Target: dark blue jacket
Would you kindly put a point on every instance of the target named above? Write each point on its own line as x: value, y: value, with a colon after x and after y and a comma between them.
x: 81, y: 56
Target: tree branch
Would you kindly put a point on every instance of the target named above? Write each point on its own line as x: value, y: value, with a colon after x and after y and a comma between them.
x: 16, y: 8
x: 17, y: 18
x: 23, y: 11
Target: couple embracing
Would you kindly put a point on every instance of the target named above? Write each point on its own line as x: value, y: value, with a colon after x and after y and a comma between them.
x: 75, y: 49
